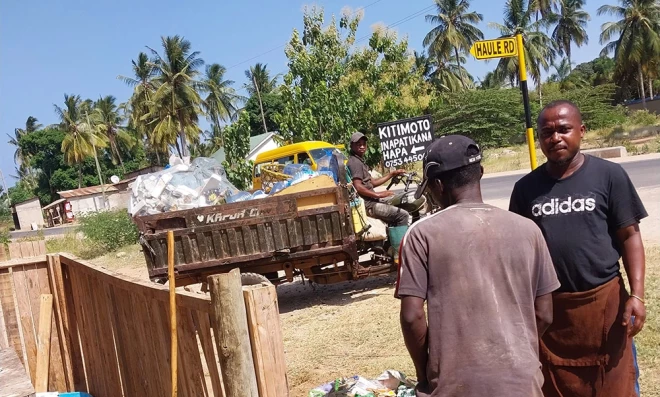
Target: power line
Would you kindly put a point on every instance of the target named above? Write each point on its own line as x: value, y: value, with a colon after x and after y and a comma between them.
x: 401, y: 21
x: 284, y: 45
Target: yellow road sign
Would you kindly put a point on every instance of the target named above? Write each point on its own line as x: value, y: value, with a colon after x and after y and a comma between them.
x: 498, y: 48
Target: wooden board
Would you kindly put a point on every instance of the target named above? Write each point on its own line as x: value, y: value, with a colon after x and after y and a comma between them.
x: 266, y: 337
x: 14, y: 381
x: 43, y: 350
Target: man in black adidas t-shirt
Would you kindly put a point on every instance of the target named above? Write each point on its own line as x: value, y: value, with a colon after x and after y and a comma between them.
x: 589, y: 213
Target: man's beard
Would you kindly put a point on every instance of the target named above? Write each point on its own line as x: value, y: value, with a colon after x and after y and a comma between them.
x: 563, y: 162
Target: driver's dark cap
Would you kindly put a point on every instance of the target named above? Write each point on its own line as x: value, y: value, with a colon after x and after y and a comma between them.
x: 448, y: 153
x: 355, y: 138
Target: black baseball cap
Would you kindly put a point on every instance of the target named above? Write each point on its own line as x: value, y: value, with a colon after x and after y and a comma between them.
x: 448, y: 153
x: 357, y: 136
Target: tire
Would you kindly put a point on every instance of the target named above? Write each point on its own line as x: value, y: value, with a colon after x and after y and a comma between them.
x: 253, y: 279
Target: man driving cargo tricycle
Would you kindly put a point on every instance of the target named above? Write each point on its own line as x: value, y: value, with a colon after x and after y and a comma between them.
x: 386, y: 206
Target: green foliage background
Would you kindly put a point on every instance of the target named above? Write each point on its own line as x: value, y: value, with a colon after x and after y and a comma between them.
x: 109, y: 229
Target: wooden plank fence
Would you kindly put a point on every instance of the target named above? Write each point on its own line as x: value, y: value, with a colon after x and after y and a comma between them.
x: 21, y: 285
x: 110, y: 334
x: 23, y: 249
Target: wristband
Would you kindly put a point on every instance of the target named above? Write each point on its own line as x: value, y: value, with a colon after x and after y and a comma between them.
x: 638, y: 298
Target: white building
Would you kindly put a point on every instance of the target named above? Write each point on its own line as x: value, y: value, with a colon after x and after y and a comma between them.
x: 258, y: 144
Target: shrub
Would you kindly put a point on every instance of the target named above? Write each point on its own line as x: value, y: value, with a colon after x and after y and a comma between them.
x: 595, y: 104
x: 642, y: 118
x: 109, y: 229
x: 493, y: 118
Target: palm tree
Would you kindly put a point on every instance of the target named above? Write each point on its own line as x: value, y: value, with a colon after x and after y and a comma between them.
x: 20, y: 158
x: 539, y: 48
x: 81, y: 139
x: 107, y: 119
x: 424, y: 64
x: 571, y: 27
x: 137, y: 108
x: 562, y: 71
x: 544, y: 7
x: 220, y: 103
x: 176, y: 105
x: 634, y: 38
x: 455, y: 27
x: 449, y: 76
x: 260, y: 83
x: 491, y: 81
x: 259, y: 79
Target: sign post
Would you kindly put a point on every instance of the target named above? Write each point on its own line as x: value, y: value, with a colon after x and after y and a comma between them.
x: 405, y: 141
x: 510, y: 47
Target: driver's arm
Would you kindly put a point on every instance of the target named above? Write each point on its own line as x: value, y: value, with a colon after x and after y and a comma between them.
x: 386, y: 177
x: 364, y: 192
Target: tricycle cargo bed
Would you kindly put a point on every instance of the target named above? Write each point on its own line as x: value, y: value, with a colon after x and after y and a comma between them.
x: 282, y: 232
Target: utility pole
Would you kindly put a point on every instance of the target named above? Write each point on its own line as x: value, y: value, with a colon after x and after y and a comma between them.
x: 96, y: 159
x: 6, y: 190
x: 261, y: 106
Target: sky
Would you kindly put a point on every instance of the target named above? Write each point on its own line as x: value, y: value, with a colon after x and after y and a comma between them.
x: 49, y: 48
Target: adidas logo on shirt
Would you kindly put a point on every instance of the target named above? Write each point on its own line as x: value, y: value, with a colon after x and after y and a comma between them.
x: 556, y: 206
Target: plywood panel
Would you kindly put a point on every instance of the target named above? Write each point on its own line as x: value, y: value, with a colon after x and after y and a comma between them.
x: 26, y: 318
x: 9, y: 314
x: 266, y: 340
x: 15, y: 250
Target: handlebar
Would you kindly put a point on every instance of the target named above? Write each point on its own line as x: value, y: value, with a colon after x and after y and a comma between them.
x: 407, y: 178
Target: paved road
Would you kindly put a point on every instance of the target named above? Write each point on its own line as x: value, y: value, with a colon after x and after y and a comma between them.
x: 47, y: 232
x: 645, y: 173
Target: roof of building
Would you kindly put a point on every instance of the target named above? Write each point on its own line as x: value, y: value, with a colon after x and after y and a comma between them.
x: 86, y: 191
x: 31, y: 199
x: 54, y: 203
x: 256, y: 142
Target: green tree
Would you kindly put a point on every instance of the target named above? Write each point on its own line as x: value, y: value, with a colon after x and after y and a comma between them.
x: 73, y: 112
x: 259, y: 79
x: 333, y: 89
x: 137, y: 108
x: 316, y: 105
x: 571, y: 27
x: 20, y: 158
x: 20, y: 193
x: 82, y: 139
x: 108, y: 120
x: 383, y: 80
x: 239, y: 170
x: 45, y: 150
x: 455, y: 28
x: 634, y: 38
x: 490, y: 81
x: 271, y: 103
x: 176, y: 104
x: 492, y: 117
x: 221, y: 101
x: 451, y: 76
x: 539, y: 48
x: 260, y: 84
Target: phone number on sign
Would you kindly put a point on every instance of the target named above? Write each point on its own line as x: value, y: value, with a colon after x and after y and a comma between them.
x: 404, y: 160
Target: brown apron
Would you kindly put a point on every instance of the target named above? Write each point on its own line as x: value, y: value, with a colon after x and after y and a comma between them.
x: 586, y: 351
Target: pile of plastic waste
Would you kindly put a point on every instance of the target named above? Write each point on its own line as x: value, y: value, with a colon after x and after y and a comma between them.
x: 203, y: 182
x: 389, y: 384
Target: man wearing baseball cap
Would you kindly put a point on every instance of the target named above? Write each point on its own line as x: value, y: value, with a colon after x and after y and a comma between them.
x: 486, y: 276
x: 375, y: 202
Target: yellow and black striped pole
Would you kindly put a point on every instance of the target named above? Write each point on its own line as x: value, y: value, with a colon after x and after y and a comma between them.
x: 525, y: 94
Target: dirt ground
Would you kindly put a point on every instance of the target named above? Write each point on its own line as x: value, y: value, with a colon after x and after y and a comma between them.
x: 353, y: 328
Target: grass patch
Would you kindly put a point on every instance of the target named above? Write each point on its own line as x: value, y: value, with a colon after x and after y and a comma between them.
x: 353, y: 328
x: 648, y: 341
x: 73, y: 244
